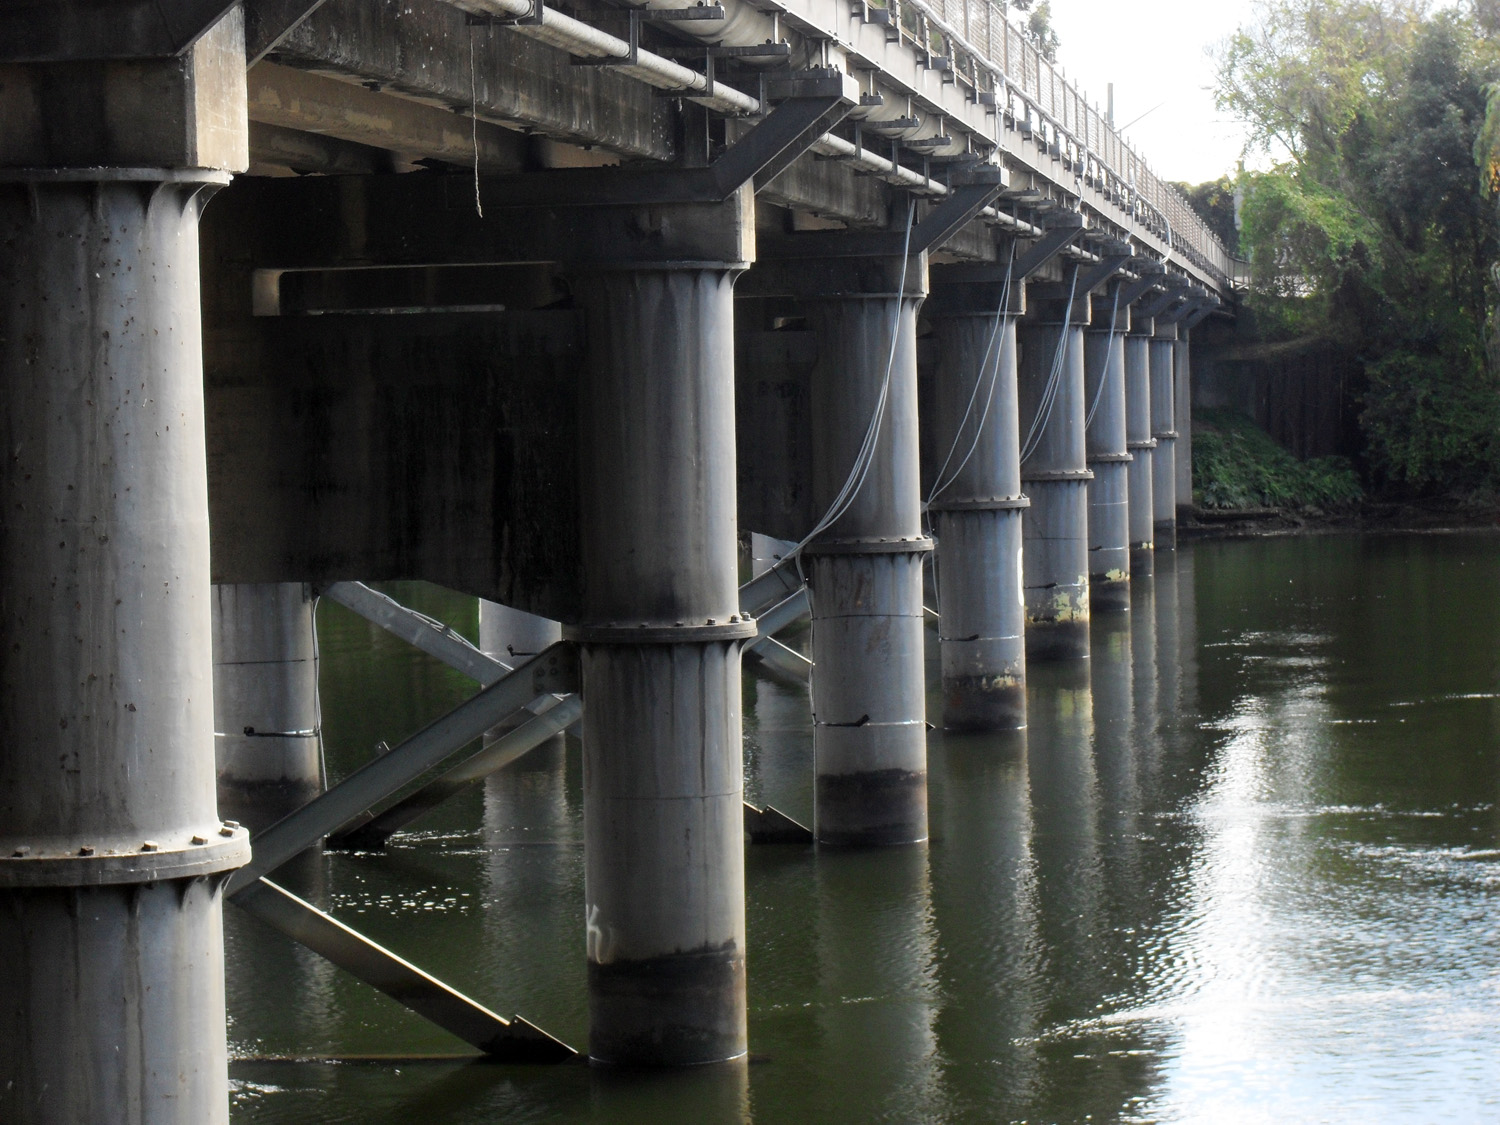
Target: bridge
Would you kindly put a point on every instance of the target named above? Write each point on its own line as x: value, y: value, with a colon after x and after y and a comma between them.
x: 561, y: 309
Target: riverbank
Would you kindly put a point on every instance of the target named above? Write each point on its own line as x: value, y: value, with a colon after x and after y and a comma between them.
x: 1436, y: 514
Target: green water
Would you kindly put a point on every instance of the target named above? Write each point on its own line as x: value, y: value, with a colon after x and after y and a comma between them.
x: 1248, y: 874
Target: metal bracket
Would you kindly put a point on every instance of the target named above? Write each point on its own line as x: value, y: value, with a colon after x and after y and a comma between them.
x: 1063, y: 229
x: 1096, y: 274
x: 964, y: 200
x: 1153, y: 276
x: 533, y: 18
x: 808, y: 105
x: 639, y: 16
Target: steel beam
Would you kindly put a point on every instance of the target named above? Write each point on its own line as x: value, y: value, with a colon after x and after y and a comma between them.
x: 371, y: 830
x: 514, y: 1040
x: 553, y: 671
x: 432, y: 637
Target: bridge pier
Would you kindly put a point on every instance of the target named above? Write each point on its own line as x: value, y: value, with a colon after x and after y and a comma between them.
x: 1141, y: 444
x: 112, y: 855
x: 1182, y: 385
x: 1054, y: 473
x: 1164, y: 430
x: 267, y: 730
x: 977, y: 513
x: 865, y: 569
x: 1108, y: 454
x: 661, y: 632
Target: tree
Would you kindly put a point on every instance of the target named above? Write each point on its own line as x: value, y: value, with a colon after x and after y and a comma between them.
x: 1038, y: 27
x: 1214, y: 203
x: 1370, y: 227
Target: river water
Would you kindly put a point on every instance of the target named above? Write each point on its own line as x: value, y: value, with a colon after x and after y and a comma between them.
x: 1246, y: 870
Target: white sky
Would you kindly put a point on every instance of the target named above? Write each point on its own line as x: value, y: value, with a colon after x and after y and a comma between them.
x: 1156, y: 52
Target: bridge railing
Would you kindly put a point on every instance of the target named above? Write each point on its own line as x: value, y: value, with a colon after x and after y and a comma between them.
x: 973, y: 42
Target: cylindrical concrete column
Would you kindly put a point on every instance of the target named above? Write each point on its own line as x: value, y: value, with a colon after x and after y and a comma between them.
x: 1164, y: 430
x: 976, y: 503
x: 267, y: 730
x: 111, y: 851
x: 1182, y: 381
x: 1141, y: 445
x: 1055, y: 475
x: 661, y: 633
x: 865, y: 571
x: 1108, y: 456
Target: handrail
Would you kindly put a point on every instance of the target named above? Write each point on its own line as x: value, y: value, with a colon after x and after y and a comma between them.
x: 979, y: 30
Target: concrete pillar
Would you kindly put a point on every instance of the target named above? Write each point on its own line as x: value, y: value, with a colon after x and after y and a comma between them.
x: 1141, y: 445
x: 1164, y: 430
x: 661, y: 632
x: 1054, y: 474
x: 112, y: 854
x: 111, y: 947
x: 976, y: 509
x: 865, y: 570
x: 1182, y: 380
x: 267, y: 726
x: 1109, y: 458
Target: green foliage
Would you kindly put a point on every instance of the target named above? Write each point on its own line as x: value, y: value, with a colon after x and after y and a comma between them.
x: 1370, y: 226
x: 1236, y: 464
x: 1038, y: 27
x: 1428, y: 426
x: 1214, y: 202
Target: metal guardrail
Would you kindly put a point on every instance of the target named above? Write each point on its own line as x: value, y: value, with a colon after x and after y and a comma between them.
x: 1005, y: 69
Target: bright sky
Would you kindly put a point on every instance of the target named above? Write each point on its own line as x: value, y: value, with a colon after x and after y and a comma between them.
x: 1157, y: 53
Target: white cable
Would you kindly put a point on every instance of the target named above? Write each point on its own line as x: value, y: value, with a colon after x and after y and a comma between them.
x: 1054, y: 381
x: 1109, y: 353
x: 939, y: 484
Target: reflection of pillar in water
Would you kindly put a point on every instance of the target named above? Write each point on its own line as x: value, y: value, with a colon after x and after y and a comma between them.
x: 1145, y: 705
x: 1187, y: 630
x: 1065, y: 818
x: 533, y: 863
x: 877, y: 994
x: 985, y: 909
x: 717, y: 1094
x: 1116, y: 753
x: 267, y: 736
x: 1168, y: 636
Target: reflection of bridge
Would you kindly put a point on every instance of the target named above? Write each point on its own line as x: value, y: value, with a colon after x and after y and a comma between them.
x: 788, y: 267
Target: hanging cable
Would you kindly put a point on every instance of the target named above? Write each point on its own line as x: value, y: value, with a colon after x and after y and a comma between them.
x: 995, y: 340
x: 1109, y: 357
x: 1054, y: 380
x: 866, y: 454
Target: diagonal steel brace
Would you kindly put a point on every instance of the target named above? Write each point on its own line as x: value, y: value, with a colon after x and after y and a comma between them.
x: 552, y: 671
x: 513, y: 1040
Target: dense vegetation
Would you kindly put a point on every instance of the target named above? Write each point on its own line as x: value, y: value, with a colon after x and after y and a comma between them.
x: 1373, y: 220
x: 1236, y: 464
